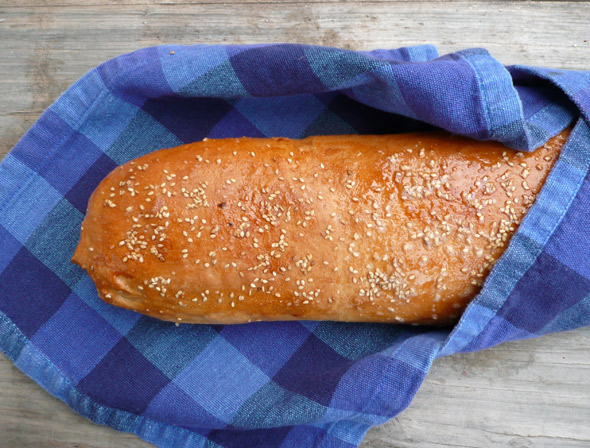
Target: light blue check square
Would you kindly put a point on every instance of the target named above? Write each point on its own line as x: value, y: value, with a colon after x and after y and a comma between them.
x: 36, y: 198
x: 221, y: 379
x: 560, y: 188
x: 142, y: 135
x: 182, y: 68
x: 346, y: 431
x: 208, y: 86
x: 55, y: 239
x: 327, y: 67
x: 113, y: 115
x: 291, y: 115
x: 418, y: 351
x: 474, y: 320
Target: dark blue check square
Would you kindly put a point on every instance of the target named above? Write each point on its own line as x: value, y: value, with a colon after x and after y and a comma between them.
x: 539, y: 296
x: 316, y: 380
x: 30, y: 293
x: 234, y: 125
x: 268, y: 438
x: 285, y: 71
x: 131, y: 380
x: 187, y: 118
x: 576, y: 225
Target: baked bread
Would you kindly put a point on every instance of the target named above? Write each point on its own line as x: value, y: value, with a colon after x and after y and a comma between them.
x: 391, y: 228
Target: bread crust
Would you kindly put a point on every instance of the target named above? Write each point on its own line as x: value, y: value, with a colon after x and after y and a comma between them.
x: 392, y: 228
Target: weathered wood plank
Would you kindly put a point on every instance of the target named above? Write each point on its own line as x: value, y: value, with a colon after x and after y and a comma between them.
x: 520, y: 394
x: 53, y: 3
x: 527, y: 393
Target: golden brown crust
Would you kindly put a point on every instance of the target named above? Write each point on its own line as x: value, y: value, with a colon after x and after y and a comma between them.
x: 398, y: 228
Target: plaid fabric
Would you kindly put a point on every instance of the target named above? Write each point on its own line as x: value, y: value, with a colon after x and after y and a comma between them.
x: 292, y: 384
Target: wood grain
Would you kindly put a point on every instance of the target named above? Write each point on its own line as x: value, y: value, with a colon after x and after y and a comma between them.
x: 521, y: 394
x: 532, y: 393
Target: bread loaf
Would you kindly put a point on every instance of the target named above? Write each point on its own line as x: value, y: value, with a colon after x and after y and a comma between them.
x: 392, y: 228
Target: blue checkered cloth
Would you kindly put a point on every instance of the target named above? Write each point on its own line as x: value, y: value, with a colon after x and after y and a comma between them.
x: 286, y: 384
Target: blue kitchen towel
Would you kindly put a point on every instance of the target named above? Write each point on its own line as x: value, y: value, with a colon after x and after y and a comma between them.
x: 285, y: 384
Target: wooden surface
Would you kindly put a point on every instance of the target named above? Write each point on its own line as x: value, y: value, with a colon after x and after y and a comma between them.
x: 521, y: 394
